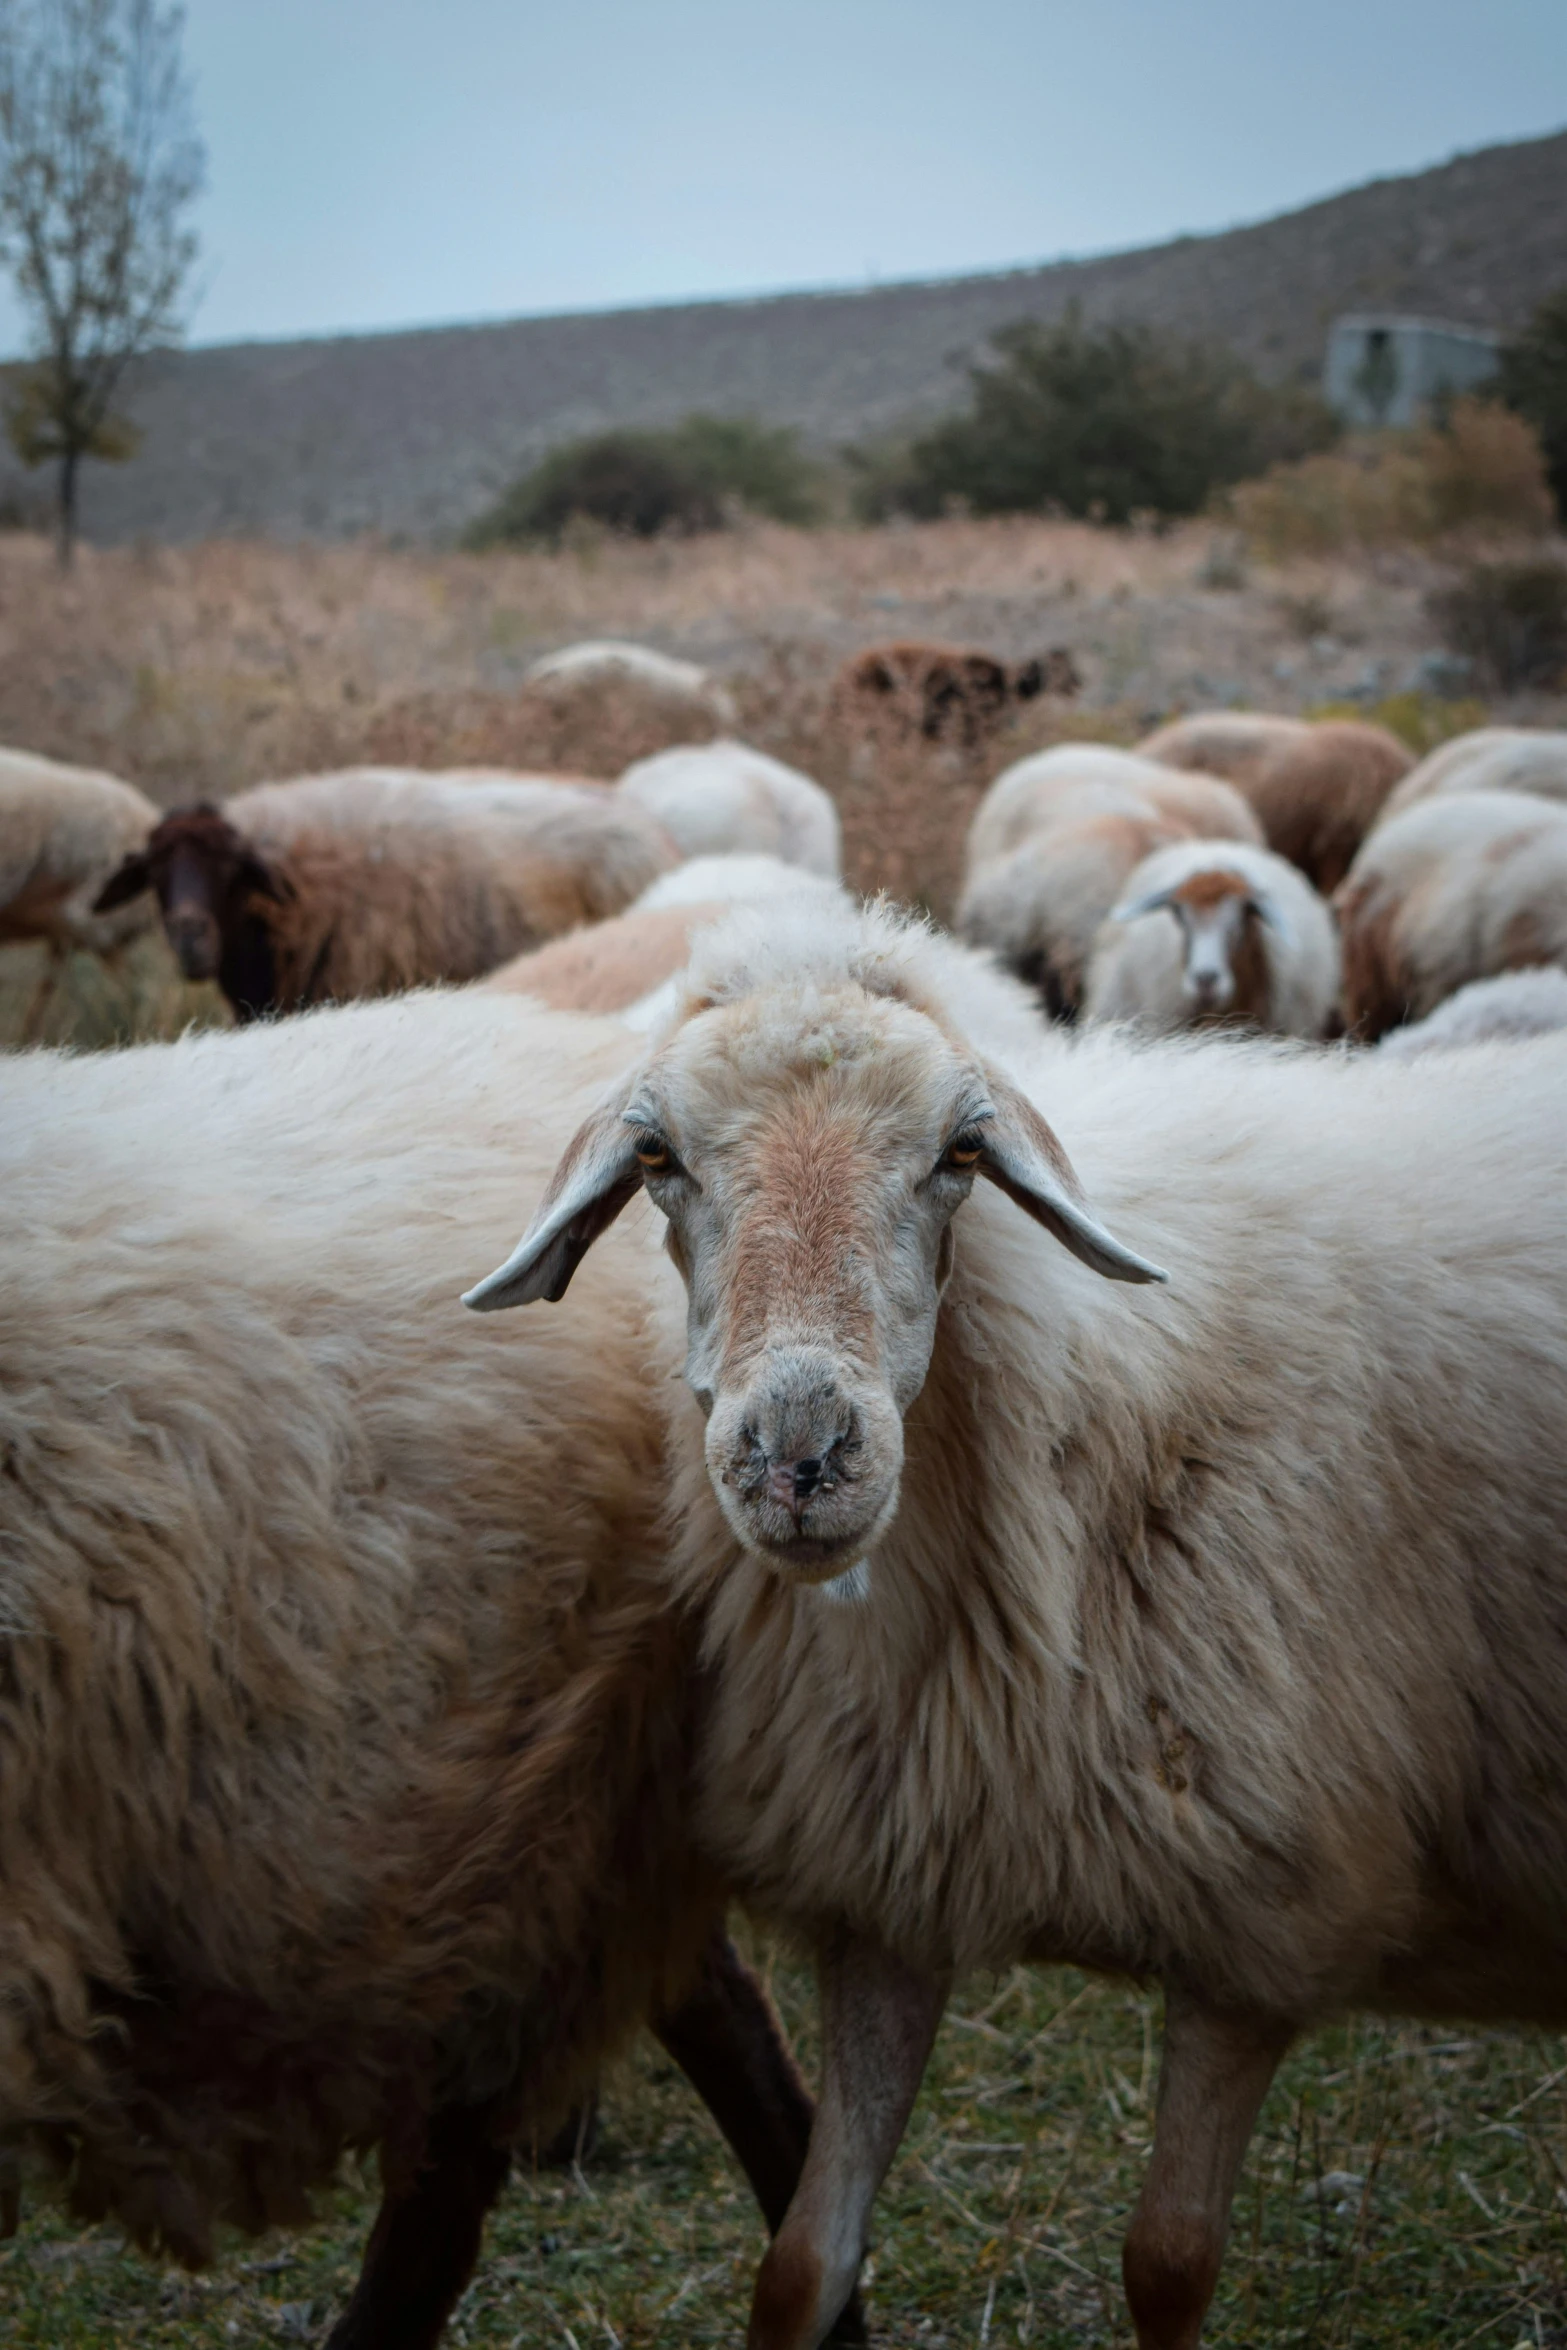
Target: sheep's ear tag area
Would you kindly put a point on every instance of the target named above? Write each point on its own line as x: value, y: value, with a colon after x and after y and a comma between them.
x: 594, y: 1181
x: 1024, y: 1159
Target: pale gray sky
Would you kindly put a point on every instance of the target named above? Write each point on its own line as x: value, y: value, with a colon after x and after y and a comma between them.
x: 401, y: 162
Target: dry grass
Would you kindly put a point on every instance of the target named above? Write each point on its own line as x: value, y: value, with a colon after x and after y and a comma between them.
x: 1405, y: 2188
x: 197, y: 670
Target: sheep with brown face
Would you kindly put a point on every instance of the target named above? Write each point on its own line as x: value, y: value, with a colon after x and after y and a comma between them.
x: 373, y: 880
x: 345, y: 1725
x: 1054, y: 843
x: 1211, y: 1632
x: 1457, y: 887
x: 1217, y: 933
x: 1317, y: 786
x: 942, y: 693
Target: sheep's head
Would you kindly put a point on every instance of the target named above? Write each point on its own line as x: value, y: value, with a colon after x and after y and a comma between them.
x: 205, y: 875
x: 1224, y: 969
x: 810, y: 1146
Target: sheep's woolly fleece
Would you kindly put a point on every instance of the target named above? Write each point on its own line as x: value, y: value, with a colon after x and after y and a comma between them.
x: 1219, y: 1631
x: 342, y: 1718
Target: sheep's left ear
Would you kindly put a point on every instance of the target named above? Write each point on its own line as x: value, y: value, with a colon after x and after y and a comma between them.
x: 594, y: 1181
x: 1023, y: 1158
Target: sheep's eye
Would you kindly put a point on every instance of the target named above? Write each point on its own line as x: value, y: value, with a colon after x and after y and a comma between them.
x: 654, y: 1155
x: 964, y: 1151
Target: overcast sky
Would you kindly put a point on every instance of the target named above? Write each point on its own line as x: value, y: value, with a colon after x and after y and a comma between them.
x: 400, y: 162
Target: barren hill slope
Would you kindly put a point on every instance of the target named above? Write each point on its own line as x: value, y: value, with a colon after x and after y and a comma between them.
x: 411, y: 433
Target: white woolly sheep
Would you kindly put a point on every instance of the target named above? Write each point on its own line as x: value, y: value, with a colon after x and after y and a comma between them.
x: 1515, y: 1004
x: 376, y: 879
x: 720, y: 798
x: 1317, y: 786
x: 1491, y: 758
x: 1054, y: 842
x: 1212, y: 1633
x: 344, y: 1721
x: 667, y: 685
x: 63, y: 830
x: 1458, y: 887
x: 1217, y: 932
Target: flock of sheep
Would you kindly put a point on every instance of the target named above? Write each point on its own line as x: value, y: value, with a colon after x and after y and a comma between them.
x: 393, y: 1698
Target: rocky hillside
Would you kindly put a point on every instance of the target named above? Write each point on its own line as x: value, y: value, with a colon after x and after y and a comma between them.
x: 410, y: 434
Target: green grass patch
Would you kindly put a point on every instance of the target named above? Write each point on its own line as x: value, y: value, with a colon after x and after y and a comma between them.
x: 1406, y: 2187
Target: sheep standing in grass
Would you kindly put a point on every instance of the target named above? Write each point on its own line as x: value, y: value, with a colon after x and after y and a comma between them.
x: 63, y: 830
x: 371, y: 881
x: 660, y: 683
x: 942, y: 693
x: 1214, y: 1632
x: 1458, y: 887
x: 1492, y: 758
x: 1055, y: 841
x: 723, y: 798
x: 1217, y: 933
x: 1317, y: 787
x: 345, y: 1722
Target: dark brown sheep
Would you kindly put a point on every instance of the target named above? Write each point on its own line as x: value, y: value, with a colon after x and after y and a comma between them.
x: 943, y: 693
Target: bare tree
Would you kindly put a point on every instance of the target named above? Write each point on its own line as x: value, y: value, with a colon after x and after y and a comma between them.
x: 99, y: 163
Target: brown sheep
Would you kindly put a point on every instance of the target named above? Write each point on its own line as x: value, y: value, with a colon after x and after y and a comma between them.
x: 942, y: 693
x: 344, y: 1720
x: 371, y: 881
x: 1317, y: 788
x: 1456, y: 887
x: 1212, y: 1633
x: 1054, y: 843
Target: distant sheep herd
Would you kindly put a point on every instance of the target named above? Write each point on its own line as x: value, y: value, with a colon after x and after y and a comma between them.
x: 394, y: 1700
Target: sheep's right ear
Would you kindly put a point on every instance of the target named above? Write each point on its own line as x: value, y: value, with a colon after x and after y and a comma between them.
x: 597, y: 1177
x: 1151, y: 902
x: 130, y: 877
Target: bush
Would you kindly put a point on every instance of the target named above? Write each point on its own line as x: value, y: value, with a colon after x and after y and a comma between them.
x: 1509, y: 619
x: 1480, y: 467
x: 1101, y: 421
x: 688, y: 478
x: 1532, y: 379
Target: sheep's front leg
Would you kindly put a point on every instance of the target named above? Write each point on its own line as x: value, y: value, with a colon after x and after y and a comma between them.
x: 426, y: 2238
x: 879, y: 2018
x: 1213, y: 2077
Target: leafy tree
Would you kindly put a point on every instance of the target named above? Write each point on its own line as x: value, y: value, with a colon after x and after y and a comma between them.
x: 1104, y: 421
x: 685, y: 478
x: 99, y: 163
x: 1532, y: 379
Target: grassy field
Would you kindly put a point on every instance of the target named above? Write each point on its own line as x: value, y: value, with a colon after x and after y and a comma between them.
x: 1406, y: 2187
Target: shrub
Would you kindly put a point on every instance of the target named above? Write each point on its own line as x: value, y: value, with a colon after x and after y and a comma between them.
x: 1509, y: 619
x: 687, y: 478
x: 1480, y: 467
x: 1102, y: 421
x: 1532, y: 379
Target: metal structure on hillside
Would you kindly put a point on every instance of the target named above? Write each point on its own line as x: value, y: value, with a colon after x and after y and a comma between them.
x: 1386, y: 370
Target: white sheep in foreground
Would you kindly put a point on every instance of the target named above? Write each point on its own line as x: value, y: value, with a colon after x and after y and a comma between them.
x: 721, y: 798
x: 1054, y: 842
x: 1515, y: 1004
x: 1460, y: 886
x: 1217, y: 931
x: 665, y: 683
x: 344, y: 1723
x: 1214, y: 1632
x: 63, y: 830
x: 1492, y: 758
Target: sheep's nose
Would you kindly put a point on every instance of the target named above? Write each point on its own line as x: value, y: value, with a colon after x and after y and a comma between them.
x: 793, y: 1482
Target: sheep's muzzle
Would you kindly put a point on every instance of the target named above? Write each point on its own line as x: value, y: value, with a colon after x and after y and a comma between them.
x: 806, y: 1458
